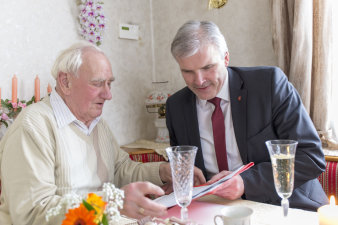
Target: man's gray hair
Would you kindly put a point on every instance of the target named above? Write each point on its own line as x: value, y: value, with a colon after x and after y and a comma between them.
x: 70, y: 60
x: 193, y: 35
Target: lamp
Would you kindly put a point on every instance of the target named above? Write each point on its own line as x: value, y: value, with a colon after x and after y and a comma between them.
x: 155, y: 103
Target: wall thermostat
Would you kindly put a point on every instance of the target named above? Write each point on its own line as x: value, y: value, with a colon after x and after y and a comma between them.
x: 128, y: 31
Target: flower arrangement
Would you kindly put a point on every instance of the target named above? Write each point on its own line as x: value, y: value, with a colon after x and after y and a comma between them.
x: 92, y: 210
x: 92, y: 20
x: 9, y: 110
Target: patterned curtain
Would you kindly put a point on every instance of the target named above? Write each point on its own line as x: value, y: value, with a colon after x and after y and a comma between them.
x: 302, y: 40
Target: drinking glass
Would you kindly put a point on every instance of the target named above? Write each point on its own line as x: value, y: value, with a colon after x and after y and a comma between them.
x: 182, y: 160
x: 282, y: 154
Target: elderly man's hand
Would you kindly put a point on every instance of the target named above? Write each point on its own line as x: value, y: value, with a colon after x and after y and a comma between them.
x: 231, y: 189
x: 165, y: 174
x: 136, y: 205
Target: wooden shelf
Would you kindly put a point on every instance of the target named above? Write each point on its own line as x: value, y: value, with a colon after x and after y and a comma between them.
x: 331, y: 158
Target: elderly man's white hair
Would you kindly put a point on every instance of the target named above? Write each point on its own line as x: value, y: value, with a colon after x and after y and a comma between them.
x: 70, y: 59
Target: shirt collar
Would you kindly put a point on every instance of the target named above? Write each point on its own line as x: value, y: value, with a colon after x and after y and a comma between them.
x: 64, y: 116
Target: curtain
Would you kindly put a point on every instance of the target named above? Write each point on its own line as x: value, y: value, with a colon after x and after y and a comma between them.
x: 302, y: 40
x: 334, y: 84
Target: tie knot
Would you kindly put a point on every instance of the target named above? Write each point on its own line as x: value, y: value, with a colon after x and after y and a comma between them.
x: 216, y: 101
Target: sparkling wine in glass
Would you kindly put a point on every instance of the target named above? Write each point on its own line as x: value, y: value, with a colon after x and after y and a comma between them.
x: 282, y: 155
x: 182, y: 160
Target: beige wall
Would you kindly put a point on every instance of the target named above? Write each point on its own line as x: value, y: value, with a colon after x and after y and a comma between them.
x: 245, y: 25
x: 33, y: 32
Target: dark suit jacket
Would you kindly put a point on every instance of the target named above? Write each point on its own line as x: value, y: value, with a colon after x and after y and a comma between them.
x: 269, y: 108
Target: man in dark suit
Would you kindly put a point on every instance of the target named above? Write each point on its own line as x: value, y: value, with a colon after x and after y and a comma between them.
x: 257, y: 103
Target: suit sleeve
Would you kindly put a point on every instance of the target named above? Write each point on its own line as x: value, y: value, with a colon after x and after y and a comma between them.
x: 289, y: 120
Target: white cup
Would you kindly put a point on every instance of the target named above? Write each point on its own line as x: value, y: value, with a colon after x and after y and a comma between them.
x: 234, y: 215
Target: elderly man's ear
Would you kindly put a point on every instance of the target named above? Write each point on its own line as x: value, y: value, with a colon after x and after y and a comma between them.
x: 64, y: 82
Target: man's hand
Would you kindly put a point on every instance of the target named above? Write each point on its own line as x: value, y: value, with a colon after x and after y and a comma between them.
x: 165, y: 174
x: 198, y: 177
x: 231, y: 189
x: 136, y: 205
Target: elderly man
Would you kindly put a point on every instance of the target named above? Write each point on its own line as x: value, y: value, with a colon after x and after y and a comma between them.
x: 62, y: 145
x: 229, y: 113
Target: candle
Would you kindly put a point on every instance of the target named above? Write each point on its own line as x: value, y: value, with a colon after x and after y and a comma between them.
x: 37, y: 89
x: 14, y: 89
x: 328, y: 214
x: 49, y: 89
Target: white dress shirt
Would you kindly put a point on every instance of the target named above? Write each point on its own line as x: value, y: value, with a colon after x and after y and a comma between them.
x: 204, y: 113
x: 64, y: 116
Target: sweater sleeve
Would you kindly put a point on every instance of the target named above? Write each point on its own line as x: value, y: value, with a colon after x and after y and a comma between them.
x: 27, y: 169
x: 127, y: 171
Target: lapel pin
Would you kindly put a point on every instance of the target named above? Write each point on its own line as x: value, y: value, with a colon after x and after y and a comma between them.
x: 239, y: 98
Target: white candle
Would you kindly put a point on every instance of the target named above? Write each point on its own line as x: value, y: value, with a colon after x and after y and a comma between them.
x: 328, y: 214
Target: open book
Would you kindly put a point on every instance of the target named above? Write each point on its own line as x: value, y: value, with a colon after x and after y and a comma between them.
x: 199, y: 191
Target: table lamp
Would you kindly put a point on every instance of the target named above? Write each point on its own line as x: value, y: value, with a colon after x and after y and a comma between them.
x: 155, y: 103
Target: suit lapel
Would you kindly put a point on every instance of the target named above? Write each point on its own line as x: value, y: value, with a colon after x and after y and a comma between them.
x: 193, y: 134
x: 238, y: 98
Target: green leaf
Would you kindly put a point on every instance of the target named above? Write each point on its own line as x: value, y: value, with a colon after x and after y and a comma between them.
x: 30, y: 101
x: 88, y: 206
x: 4, y: 122
x: 104, y: 220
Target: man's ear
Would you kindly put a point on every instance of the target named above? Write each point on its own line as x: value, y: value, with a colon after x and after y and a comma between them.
x: 64, y: 82
x: 226, y: 59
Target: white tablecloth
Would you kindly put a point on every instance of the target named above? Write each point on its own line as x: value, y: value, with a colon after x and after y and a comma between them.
x: 263, y: 214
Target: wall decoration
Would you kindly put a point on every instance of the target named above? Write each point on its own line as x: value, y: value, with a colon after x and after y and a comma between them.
x: 92, y: 20
x: 10, y: 109
x: 216, y: 4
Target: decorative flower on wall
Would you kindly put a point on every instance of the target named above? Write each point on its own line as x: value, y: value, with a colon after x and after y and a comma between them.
x: 92, y: 20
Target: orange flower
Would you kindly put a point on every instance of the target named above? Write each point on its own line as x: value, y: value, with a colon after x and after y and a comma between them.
x: 79, y: 216
x: 96, y: 202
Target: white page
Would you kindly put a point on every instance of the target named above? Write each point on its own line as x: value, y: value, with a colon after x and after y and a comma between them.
x: 169, y: 200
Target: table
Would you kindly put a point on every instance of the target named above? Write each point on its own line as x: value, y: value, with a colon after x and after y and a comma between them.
x: 203, y: 211
x: 266, y: 214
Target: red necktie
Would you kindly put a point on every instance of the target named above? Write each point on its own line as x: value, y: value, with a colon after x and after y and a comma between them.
x: 218, y: 130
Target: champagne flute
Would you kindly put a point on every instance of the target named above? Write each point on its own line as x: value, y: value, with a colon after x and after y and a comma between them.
x: 282, y: 155
x: 182, y: 160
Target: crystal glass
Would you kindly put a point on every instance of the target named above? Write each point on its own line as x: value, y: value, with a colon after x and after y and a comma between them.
x: 182, y: 160
x: 282, y: 154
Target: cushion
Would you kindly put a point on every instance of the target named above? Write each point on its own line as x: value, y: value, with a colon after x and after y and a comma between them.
x: 147, y: 157
x: 329, y: 179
